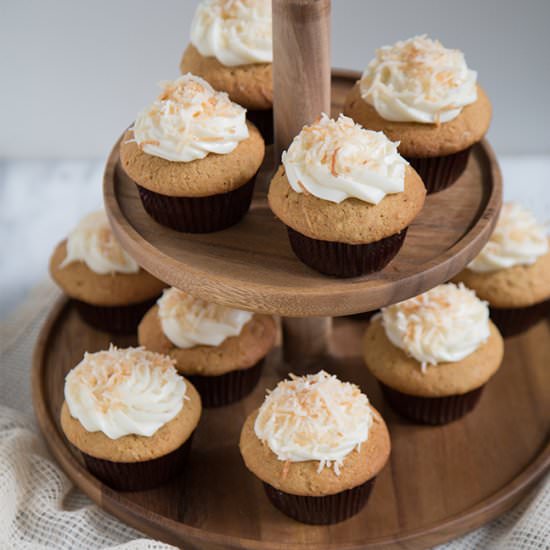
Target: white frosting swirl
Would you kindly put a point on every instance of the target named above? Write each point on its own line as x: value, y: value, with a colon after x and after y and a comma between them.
x: 445, y: 324
x: 235, y: 32
x: 517, y: 240
x: 188, y: 321
x: 337, y: 159
x: 124, y: 391
x: 418, y: 80
x: 93, y: 242
x: 189, y: 120
x: 314, y: 417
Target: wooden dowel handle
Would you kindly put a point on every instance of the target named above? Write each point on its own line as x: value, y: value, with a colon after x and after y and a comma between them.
x: 301, y: 66
x: 304, y: 341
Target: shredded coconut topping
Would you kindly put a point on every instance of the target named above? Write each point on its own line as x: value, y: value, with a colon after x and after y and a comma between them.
x: 93, y: 242
x: 418, y: 80
x: 314, y: 417
x: 338, y: 159
x: 188, y: 321
x: 445, y: 324
x: 189, y: 120
x: 518, y: 239
x: 124, y: 391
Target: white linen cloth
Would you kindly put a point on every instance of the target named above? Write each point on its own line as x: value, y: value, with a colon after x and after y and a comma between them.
x: 41, y: 509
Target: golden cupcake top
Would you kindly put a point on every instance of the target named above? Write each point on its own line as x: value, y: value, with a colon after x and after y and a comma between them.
x: 190, y: 120
x: 314, y: 417
x: 124, y: 391
x: 418, y: 80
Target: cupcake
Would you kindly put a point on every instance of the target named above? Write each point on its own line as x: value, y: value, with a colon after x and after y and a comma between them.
x: 434, y: 353
x: 423, y: 95
x: 317, y: 445
x: 193, y: 157
x: 231, y: 47
x: 512, y: 271
x: 346, y: 197
x: 111, y: 292
x: 131, y: 416
x: 218, y: 348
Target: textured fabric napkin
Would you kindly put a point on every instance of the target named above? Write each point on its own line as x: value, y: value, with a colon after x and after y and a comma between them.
x: 41, y: 509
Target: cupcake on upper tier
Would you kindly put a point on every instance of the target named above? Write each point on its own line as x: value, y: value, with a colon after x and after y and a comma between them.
x: 424, y: 96
x: 220, y: 349
x: 434, y: 353
x: 317, y: 444
x: 512, y: 271
x: 231, y: 47
x: 346, y: 196
x: 131, y: 415
x: 109, y: 288
x: 193, y: 157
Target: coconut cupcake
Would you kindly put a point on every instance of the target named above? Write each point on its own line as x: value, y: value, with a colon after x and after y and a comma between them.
x: 434, y: 353
x: 131, y: 415
x: 346, y: 196
x: 512, y: 271
x: 317, y: 445
x: 220, y: 349
x: 110, y: 290
x: 193, y: 157
x: 231, y: 47
x: 424, y: 96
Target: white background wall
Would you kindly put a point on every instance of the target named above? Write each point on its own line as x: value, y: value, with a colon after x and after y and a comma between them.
x: 74, y: 73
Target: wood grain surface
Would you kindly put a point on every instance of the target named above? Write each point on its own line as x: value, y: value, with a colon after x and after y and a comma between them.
x: 251, y: 265
x: 439, y: 483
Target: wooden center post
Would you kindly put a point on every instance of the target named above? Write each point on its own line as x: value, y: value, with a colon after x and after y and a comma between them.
x: 301, y: 92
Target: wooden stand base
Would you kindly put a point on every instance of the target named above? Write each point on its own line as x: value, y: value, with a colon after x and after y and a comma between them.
x: 440, y: 482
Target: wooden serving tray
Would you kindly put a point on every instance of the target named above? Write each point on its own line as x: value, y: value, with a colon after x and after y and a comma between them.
x: 252, y: 266
x: 440, y: 482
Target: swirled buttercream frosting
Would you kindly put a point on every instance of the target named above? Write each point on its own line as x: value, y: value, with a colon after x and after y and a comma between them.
x: 418, y: 80
x: 235, y: 32
x: 337, y: 159
x: 93, y: 242
x: 445, y: 324
x: 188, y: 321
x: 124, y: 391
x: 517, y: 240
x: 190, y: 120
x: 314, y: 417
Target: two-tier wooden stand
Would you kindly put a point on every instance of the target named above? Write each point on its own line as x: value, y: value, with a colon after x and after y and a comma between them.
x: 440, y: 481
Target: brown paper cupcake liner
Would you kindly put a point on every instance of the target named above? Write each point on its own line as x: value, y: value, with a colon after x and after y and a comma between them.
x: 431, y: 410
x: 117, y: 319
x: 342, y: 259
x: 321, y: 510
x: 263, y: 120
x: 218, y: 391
x: 139, y: 476
x: 438, y: 173
x: 198, y: 214
x: 513, y: 321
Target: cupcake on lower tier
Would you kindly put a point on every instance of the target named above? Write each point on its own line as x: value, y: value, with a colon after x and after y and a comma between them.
x: 193, y: 157
x: 317, y: 445
x: 346, y: 196
x: 131, y: 415
x: 110, y: 290
x: 423, y: 96
x: 434, y: 353
x: 512, y: 271
x: 220, y: 349
x: 231, y: 47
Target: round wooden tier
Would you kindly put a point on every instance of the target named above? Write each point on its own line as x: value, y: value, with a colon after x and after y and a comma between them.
x: 440, y: 482
x: 251, y: 265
